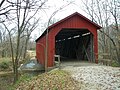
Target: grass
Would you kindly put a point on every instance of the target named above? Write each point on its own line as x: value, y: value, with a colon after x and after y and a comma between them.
x: 6, y: 81
x: 53, y: 80
x: 6, y: 75
x: 115, y: 64
x: 5, y: 64
x: 6, y: 59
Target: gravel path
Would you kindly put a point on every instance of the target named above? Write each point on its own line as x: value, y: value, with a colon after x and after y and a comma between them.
x: 96, y: 77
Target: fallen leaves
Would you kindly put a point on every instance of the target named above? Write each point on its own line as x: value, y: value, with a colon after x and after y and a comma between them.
x: 54, y: 80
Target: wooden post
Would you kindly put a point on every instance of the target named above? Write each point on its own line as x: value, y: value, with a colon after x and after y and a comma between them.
x: 58, y: 57
x: 59, y: 60
x: 46, y: 52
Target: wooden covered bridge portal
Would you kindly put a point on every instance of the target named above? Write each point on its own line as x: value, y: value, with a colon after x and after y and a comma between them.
x: 74, y: 37
x: 74, y: 44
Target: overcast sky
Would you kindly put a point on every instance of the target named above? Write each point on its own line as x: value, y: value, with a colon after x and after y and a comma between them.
x: 54, y: 5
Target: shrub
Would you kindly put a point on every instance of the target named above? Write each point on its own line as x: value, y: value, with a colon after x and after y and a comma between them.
x: 4, y: 65
x: 115, y: 64
x: 23, y: 78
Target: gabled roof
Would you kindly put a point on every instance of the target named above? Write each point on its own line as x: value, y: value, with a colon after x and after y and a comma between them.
x: 76, y: 13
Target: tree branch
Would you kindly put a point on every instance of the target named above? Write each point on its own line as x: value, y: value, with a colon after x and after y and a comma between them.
x: 2, y: 3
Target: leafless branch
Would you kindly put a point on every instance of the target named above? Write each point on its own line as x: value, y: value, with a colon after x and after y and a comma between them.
x: 2, y: 3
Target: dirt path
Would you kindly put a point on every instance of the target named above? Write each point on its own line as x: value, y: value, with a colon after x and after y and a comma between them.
x: 5, y: 73
x: 96, y: 77
x: 77, y: 63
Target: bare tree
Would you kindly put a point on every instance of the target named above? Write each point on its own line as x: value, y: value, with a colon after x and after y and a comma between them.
x: 115, y: 12
x: 24, y: 8
x: 11, y: 47
x: 102, y: 12
x: 2, y: 41
x: 20, y: 17
x: 29, y: 29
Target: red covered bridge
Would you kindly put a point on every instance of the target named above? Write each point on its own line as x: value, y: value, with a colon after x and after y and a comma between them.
x: 74, y: 37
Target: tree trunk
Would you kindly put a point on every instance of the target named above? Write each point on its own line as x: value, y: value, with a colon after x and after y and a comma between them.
x: 16, y: 57
x: 117, y: 53
x: 26, y: 44
x: 3, y: 53
x: 12, y: 50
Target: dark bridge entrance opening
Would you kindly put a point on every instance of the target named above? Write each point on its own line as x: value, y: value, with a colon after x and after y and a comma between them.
x: 74, y: 44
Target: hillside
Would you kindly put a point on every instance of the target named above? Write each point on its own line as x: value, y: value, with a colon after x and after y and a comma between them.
x: 53, y: 80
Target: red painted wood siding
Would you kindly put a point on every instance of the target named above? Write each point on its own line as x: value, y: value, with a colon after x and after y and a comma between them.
x: 74, y: 22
